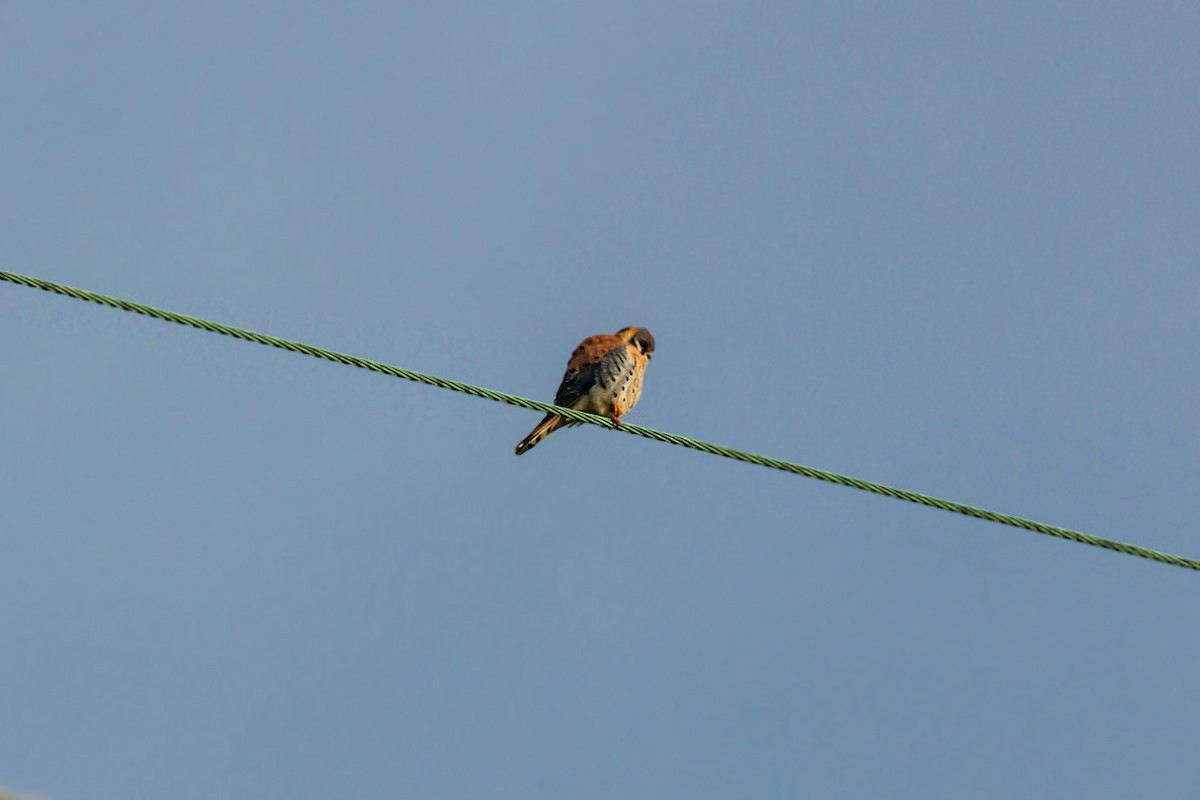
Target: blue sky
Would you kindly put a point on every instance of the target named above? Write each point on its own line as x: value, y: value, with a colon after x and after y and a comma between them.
x: 950, y: 247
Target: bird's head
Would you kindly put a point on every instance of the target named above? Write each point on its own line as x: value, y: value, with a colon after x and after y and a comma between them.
x: 640, y: 338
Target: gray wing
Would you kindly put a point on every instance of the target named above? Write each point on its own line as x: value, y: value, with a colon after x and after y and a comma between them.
x: 611, y: 372
x: 615, y: 370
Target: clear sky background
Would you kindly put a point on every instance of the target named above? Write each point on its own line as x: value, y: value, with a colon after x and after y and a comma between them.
x: 951, y: 247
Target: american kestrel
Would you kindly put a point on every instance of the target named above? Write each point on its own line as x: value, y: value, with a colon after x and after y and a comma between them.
x: 604, y: 376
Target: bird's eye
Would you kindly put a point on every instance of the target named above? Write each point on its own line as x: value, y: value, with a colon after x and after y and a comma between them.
x: 644, y: 343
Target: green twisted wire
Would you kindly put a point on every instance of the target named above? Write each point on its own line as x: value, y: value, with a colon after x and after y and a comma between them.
x: 581, y: 416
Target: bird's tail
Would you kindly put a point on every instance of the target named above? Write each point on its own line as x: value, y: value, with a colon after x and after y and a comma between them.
x: 547, y: 426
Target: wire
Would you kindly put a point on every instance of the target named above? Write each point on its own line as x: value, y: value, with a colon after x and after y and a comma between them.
x: 581, y: 416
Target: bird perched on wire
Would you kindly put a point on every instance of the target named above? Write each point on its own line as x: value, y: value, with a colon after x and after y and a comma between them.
x: 604, y: 376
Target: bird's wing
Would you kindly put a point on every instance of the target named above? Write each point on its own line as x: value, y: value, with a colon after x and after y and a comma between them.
x: 582, y: 368
x: 616, y: 369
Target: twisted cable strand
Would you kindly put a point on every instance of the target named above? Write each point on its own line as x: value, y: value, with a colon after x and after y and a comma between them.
x: 582, y: 416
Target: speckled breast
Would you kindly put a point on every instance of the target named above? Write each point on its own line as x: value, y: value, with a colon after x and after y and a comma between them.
x: 619, y: 381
